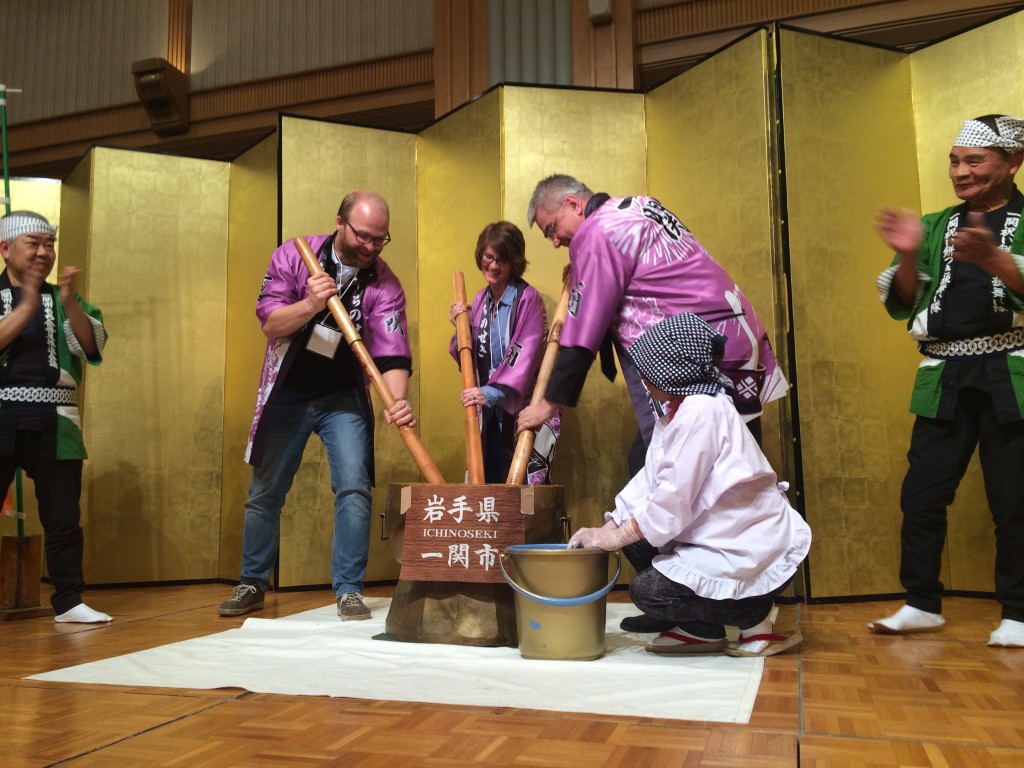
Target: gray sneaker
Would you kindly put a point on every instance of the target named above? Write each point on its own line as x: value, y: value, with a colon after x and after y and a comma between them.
x: 247, y: 597
x: 352, y: 608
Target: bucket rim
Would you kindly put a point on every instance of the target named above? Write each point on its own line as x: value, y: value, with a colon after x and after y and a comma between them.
x: 556, y: 547
x: 564, y: 602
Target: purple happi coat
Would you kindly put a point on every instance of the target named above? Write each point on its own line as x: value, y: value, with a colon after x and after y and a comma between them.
x: 379, y: 317
x: 633, y: 264
x: 516, y: 374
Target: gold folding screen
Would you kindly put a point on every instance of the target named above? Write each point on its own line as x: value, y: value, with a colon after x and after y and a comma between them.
x: 39, y: 195
x: 252, y: 236
x: 849, y: 147
x: 151, y: 233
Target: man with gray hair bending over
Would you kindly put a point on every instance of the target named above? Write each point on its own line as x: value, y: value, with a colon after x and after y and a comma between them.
x: 46, y: 332
x: 957, y: 281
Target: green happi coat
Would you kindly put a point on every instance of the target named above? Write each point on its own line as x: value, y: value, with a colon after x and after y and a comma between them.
x: 66, y: 364
x: 928, y: 383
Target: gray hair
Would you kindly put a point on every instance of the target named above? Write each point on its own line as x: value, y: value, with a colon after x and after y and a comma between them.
x: 550, y: 192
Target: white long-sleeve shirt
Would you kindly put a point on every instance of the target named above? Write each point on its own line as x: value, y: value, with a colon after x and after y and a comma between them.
x: 709, y: 501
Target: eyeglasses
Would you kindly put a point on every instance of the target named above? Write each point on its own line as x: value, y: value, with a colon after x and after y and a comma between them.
x: 549, y: 230
x: 366, y: 238
x: 486, y: 258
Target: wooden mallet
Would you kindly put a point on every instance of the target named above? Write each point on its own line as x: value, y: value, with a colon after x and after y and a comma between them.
x: 464, y: 342
x: 348, y: 330
x: 524, y: 443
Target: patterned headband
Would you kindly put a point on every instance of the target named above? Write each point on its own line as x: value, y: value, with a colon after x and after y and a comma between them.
x: 1010, y: 134
x: 16, y: 224
x: 678, y: 356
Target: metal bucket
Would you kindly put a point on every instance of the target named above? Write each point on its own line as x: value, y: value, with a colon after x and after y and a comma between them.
x: 559, y: 597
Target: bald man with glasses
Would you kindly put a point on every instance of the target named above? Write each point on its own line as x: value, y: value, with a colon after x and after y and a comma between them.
x: 312, y: 383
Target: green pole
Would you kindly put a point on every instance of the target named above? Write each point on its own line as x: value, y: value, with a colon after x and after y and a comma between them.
x: 7, y: 209
x: 3, y: 130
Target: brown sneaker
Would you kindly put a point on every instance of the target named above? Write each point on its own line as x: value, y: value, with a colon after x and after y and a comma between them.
x: 246, y: 598
x: 352, y: 608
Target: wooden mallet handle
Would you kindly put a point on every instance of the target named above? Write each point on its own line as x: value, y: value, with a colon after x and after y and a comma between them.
x: 464, y: 341
x: 524, y: 443
x: 348, y: 330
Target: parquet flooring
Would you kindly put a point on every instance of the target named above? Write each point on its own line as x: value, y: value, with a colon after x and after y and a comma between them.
x: 848, y: 698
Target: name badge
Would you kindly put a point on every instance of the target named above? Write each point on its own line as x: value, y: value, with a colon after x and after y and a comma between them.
x: 324, y: 341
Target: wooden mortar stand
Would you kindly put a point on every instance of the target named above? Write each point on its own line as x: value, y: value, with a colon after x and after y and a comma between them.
x: 465, y: 613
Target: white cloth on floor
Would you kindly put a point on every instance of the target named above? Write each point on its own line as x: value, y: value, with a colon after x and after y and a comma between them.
x: 315, y: 654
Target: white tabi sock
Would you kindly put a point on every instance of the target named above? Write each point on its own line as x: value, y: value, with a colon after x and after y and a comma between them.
x: 764, y: 628
x: 907, y: 619
x: 82, y: 614
x: 1009, y: 634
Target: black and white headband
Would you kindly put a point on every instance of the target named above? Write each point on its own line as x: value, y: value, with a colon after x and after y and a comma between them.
x: 1009, y: 136
x: 678, y: 356
x: 16, y: 224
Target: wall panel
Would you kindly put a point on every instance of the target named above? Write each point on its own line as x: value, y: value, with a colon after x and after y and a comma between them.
x: 849, y: 147
x: 76, y: 56
x: 252, y: 236
x: 156, y: 240
x: 240, y: 40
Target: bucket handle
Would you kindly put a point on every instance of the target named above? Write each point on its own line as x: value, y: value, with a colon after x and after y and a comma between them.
x: 564, y: 602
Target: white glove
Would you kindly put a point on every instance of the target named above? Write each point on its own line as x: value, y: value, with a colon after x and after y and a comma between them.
x: 609, y: 538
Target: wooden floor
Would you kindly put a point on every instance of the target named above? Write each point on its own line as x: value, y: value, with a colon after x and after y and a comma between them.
x: 848, y: 698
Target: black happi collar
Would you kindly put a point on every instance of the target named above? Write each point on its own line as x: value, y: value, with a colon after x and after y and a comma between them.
x: 595, y: 202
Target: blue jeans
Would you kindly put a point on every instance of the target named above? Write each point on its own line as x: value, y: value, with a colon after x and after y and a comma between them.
x: 289, y: 419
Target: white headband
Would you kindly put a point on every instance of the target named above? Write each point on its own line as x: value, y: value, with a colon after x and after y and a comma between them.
x: 1010, y: 135
x: 15, y: 225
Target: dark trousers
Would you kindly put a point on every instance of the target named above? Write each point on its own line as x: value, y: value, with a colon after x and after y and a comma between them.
x: 940, y: 451
x: 58, y: 488
x: 496, y: 463
x: 661, y: 598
